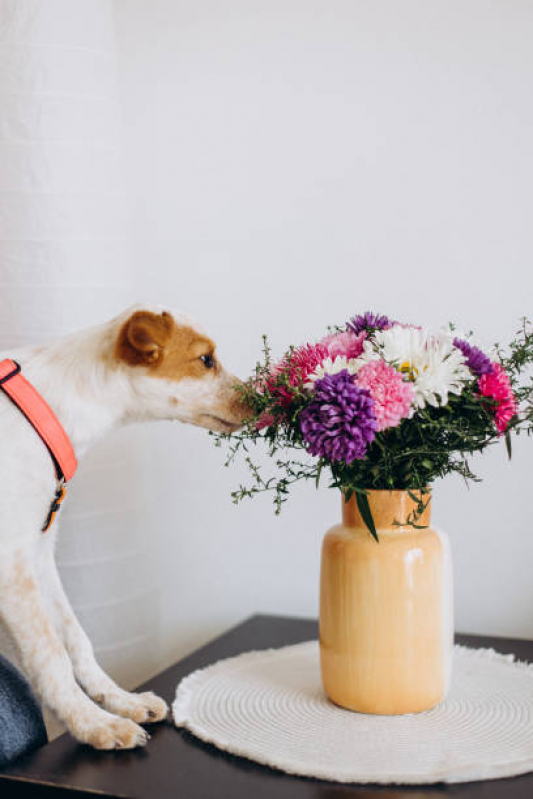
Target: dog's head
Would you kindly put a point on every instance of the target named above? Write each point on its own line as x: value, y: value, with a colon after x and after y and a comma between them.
x: 175, y: 373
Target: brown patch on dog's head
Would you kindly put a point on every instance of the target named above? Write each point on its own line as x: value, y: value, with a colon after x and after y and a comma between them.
x: 143, y: 337
x: 169, y: 350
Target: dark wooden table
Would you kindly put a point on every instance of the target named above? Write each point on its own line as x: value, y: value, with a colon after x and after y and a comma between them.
x: 177, y: 765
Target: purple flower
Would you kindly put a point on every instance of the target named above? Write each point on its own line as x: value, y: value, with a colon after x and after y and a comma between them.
x: 476, y: 360
x: 340, y: 421
x: 368, y: 321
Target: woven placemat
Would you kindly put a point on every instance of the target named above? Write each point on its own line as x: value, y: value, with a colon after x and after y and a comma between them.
x: 270, y: 707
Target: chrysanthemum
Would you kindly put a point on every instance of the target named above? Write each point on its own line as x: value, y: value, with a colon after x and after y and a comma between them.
x: 368, y: 321
x: 346, y: 343
x: 331, y: 366
x: 497, y: 386
x: 393, y: 396
x: 433, y: 365
x: 340, y: 421
x: 295, y: 368
x: 299, y: 363
x: 476, y: 360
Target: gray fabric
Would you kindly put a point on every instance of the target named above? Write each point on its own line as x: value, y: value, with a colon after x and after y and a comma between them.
x: 21, y: 722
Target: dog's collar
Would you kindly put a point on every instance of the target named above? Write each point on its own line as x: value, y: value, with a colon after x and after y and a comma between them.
x: 46, y: 425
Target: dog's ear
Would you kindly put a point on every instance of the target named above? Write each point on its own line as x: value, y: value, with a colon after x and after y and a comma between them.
x: 143, y: 338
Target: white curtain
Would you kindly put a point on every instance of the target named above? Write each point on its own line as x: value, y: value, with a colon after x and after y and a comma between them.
x: 63, y: 266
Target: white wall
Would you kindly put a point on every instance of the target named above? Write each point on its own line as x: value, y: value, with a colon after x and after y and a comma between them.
x: 62, y: 266
x: 293, y: 162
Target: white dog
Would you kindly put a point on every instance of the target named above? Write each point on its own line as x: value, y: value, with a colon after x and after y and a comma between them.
x: 145, y: 364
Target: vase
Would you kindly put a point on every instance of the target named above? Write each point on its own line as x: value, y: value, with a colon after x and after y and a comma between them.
x: 386, y: 609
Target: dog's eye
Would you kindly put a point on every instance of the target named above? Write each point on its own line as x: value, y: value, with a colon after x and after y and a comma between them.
x: 208, y: 361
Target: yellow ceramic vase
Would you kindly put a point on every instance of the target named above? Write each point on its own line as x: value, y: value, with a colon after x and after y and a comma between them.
x: 386, y: 610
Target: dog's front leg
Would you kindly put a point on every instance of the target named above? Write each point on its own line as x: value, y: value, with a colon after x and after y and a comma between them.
x: 142, y: 707
x: 47, y: 664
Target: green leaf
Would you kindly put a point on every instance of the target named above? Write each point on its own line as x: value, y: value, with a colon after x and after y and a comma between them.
x: 508, y: 446
x: 366, y: 513
x: 318, y: 473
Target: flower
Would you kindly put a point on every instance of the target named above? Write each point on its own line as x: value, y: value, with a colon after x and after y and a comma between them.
x: 497, y: 386
x: 345, y: 343
x: 339, y: 422
x: 265, y: 420
x: 295, y: 367
x: 281, y: 393
x: 476, y: 360
x: 433, y: 365
x: 393, y: 396
x: 332, y: 366
x: 300, y: 362
x: 369, y: 321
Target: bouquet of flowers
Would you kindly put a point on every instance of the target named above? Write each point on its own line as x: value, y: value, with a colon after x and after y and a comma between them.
x: 383, y: 405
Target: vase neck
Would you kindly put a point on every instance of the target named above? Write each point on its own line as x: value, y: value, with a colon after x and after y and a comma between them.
x: 386, y: 508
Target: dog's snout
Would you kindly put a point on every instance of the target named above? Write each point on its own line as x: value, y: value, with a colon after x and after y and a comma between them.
x: 240, y: 410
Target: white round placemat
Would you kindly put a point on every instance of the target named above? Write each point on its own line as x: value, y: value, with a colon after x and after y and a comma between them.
x: 270, y: 707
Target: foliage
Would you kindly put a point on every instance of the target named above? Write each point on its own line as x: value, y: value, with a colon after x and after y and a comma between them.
x: 434, y: 442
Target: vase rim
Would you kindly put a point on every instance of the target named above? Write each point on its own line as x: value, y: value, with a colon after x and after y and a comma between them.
x: 426, y: 490
x: 388, y: 506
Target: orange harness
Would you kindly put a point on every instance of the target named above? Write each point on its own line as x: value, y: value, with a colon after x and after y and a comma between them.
x: 46, y: 424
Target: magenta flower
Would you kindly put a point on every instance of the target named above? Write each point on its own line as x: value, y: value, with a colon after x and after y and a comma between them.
x: 497, y: 386
x: 393, y: 396
x: 296, y: 366
x: 340, y: 422
x: 265, y: 420
x: 303, y: 361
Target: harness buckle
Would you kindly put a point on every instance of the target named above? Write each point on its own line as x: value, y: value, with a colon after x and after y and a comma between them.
x: 56, y: 503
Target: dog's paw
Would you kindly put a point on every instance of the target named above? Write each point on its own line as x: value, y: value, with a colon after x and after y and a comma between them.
x: 156, y: 707
x: 105, y: 731
x: 146, y: 708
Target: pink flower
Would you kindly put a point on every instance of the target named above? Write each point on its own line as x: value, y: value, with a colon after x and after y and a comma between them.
x: 407, y: 325
x: 303, y: 361
x: 265, y: 420
x: 282, y: 394
x: 296, y: 366
x: 346, y: 343
x: 392, y: 394
x: 497, y: 386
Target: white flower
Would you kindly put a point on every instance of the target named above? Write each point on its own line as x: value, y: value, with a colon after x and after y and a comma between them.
x: 332, y: 366
x: 434, y: 366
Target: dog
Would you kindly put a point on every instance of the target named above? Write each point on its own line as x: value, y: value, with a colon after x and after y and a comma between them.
x: 146, y: 364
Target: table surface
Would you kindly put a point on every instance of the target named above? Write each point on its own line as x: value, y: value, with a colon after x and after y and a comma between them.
x: 175, y: 764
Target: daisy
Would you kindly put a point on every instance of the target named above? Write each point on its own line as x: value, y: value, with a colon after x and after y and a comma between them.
x: 431, y: 363
x: 332, y: 366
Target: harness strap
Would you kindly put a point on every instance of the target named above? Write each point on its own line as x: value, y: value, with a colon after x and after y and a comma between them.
x: 45, y: 423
